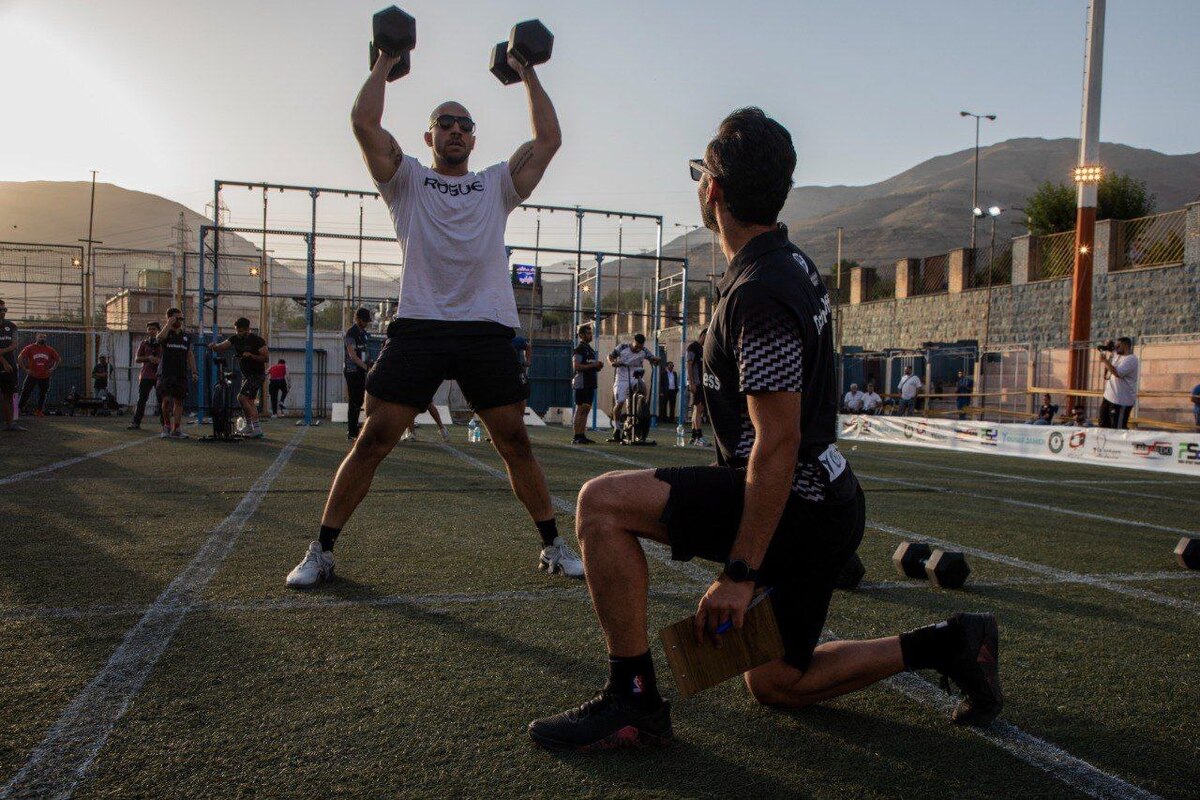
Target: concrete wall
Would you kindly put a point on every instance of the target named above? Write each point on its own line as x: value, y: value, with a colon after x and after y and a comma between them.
x: 1140, y: 302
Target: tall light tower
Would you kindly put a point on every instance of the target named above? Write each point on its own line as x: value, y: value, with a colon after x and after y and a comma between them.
x: 1087, y: 175
x: 975, y: 185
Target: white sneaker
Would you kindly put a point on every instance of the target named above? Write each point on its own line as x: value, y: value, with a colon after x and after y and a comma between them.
x: 560, y: 558
x: 253, y: 432
x: 408, y: 435
x: 700, y: 442
x: 177, y: 434
x: 317, y: 566
x: 166, y: 433
x: 445, y: 434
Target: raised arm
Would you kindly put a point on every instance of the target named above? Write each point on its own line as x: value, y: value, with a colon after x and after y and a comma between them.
x: 379, y: 148
x: 528, y: 164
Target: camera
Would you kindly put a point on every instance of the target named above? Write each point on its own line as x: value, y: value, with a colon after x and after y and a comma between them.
x: 1107, y: 347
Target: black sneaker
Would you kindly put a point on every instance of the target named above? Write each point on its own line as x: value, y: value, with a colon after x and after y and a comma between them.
x: 606, y: 722
x: 582, y: 440
x: 133, y: 426
x: 350, y: 437
x: 975, y: 670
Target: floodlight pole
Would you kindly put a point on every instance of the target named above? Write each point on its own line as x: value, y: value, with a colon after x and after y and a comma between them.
x: 1087, y: 177
x: 596, y: 307
x: 309, y: 290
x: 975, y: 184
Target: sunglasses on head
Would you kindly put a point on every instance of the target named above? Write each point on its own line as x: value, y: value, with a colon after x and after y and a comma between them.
x: 446, y: 122
x: 699, y: 169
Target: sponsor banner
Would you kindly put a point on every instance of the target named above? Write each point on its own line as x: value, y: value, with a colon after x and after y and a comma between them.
x: 1146, y: 450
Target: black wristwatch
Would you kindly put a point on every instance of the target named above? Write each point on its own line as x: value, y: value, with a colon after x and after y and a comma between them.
x: 740, y: 572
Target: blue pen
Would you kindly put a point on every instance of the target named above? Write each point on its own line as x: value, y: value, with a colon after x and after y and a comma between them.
x: 727, y: 625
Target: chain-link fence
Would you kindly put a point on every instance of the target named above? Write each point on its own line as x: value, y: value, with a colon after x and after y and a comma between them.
x: 881, y: 285
x: 1052, y: 256
x: 989, y: 266
x: 42, y: 284
x: 1150, y: 241
x: 929, y: 275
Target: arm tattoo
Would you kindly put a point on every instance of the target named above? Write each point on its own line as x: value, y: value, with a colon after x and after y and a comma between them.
x: 396, y: 155
x: 521, y: 158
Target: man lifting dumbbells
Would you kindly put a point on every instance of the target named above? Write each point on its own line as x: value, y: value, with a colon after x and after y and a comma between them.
x: 456, y: 311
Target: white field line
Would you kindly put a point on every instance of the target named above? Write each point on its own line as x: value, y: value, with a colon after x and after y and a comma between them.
x: 301, y: 602
x: 67, y: 462
x: 1134, y: 523
x: 1046, y: 482
x: 57, y: 765
x: 1045, y: 756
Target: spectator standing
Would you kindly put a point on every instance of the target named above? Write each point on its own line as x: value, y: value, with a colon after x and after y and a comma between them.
x: 277, y: 386
x: 871, y: 402
x: 39, y: 360
x: 586, y: 367
x: 355, y: 368
x: 695, y: 381
x: 1045, y: 413
x: 100, y: 376
x: 908, y: 387
x: 1196, y: 405
x: 8, y: 369
x: 149, y: 353
x: 177, y: 363
x: 853, y: 401
x: 1120, y: 384
x: 670, y: 384
x: 963, y: 389
x: 252, y: 353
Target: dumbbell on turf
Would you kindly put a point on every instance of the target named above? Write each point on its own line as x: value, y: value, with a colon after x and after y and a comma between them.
x: 945, y: 569
x: 395, y: 34
x: 1188, y: 552
x: 852, y: 573
x: 529, y: 43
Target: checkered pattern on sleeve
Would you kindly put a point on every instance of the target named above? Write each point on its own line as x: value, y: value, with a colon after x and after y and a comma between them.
x: 768, y: 350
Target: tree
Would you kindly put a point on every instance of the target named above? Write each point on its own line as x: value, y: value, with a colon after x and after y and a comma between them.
x: 1051, y: 208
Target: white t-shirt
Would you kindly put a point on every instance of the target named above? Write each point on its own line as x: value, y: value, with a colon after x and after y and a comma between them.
x: 1121, y: 389
x: 871, y: 401
x: 853, y: 401
x: 909, y: 386
x: 628, y: 360
x: 451, y: 231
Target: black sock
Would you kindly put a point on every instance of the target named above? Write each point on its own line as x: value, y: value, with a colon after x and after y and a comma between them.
x: 696, y: 433
x: 633, y: 678
x: 931, y: 647
x: 328, y: 537
x: 548, y: 528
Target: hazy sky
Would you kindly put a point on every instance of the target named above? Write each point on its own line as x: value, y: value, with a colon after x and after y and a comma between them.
x: 164, y: 95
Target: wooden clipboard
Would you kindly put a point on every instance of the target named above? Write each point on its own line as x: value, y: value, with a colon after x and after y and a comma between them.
x: 699, y: 667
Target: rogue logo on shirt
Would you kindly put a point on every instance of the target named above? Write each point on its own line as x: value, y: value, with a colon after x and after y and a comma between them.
x: 454, y: 189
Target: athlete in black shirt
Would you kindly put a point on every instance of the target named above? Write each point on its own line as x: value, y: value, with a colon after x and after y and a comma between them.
x: 176, y: 365
x: 8, y: 368
x: 355, y: 368
x: 586, y: 367
x: 251, y: 350
x: 782, y: 509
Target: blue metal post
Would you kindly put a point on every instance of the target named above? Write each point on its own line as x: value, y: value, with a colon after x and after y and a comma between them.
x: 309, y: 289
x: 596, y: 312
x: 203, y: 399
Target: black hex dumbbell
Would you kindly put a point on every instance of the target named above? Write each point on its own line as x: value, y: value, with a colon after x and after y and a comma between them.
x: 395, y: 33
x: 529, y: 42
x: 852, y: 573
x: 1188, y: 552
x: 946, y: 569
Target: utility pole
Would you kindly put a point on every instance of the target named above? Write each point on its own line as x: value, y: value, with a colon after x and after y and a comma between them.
x: 1087, y: 176
x: 181, y: 233
x: 975, y: 185
x: 89, y: 296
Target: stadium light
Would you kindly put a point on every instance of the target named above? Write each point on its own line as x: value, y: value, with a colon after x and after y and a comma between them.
x: 977, y: 211
x: 994, y: 211
x: 1089, y: 173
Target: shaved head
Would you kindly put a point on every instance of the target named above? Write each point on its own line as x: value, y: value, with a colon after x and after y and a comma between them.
x: 449, y: 107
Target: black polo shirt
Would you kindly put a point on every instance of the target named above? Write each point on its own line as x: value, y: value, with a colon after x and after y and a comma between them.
x: 771, y: 332
x: 358, y: 340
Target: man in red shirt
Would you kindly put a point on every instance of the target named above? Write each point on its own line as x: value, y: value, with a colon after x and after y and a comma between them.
x: 38, y: 360
x: 149, y: 353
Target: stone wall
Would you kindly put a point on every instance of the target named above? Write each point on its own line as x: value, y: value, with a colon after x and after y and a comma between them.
x: 1139, y: 302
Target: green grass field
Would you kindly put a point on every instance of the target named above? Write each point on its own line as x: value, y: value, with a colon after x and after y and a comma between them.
x: 149, y: 648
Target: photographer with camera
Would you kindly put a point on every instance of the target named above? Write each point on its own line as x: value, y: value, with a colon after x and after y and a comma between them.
x: 176, y: 364
x: 251, y: 350
x: 1120, y: 382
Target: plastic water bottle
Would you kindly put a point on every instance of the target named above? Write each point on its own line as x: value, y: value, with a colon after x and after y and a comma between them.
x: 680, y: 437
x: 472, y: 431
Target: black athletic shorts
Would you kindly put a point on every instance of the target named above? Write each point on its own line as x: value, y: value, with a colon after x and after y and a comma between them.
x: 173, y: 387
x: 410, y: 369
x: 810, y: 546
x: 8, y: 382
x: 583, y: 397
x: 251, y: 385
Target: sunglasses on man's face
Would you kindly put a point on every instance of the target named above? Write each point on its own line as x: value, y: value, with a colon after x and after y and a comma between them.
x: 446, y: 122
x: 699, y: 169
